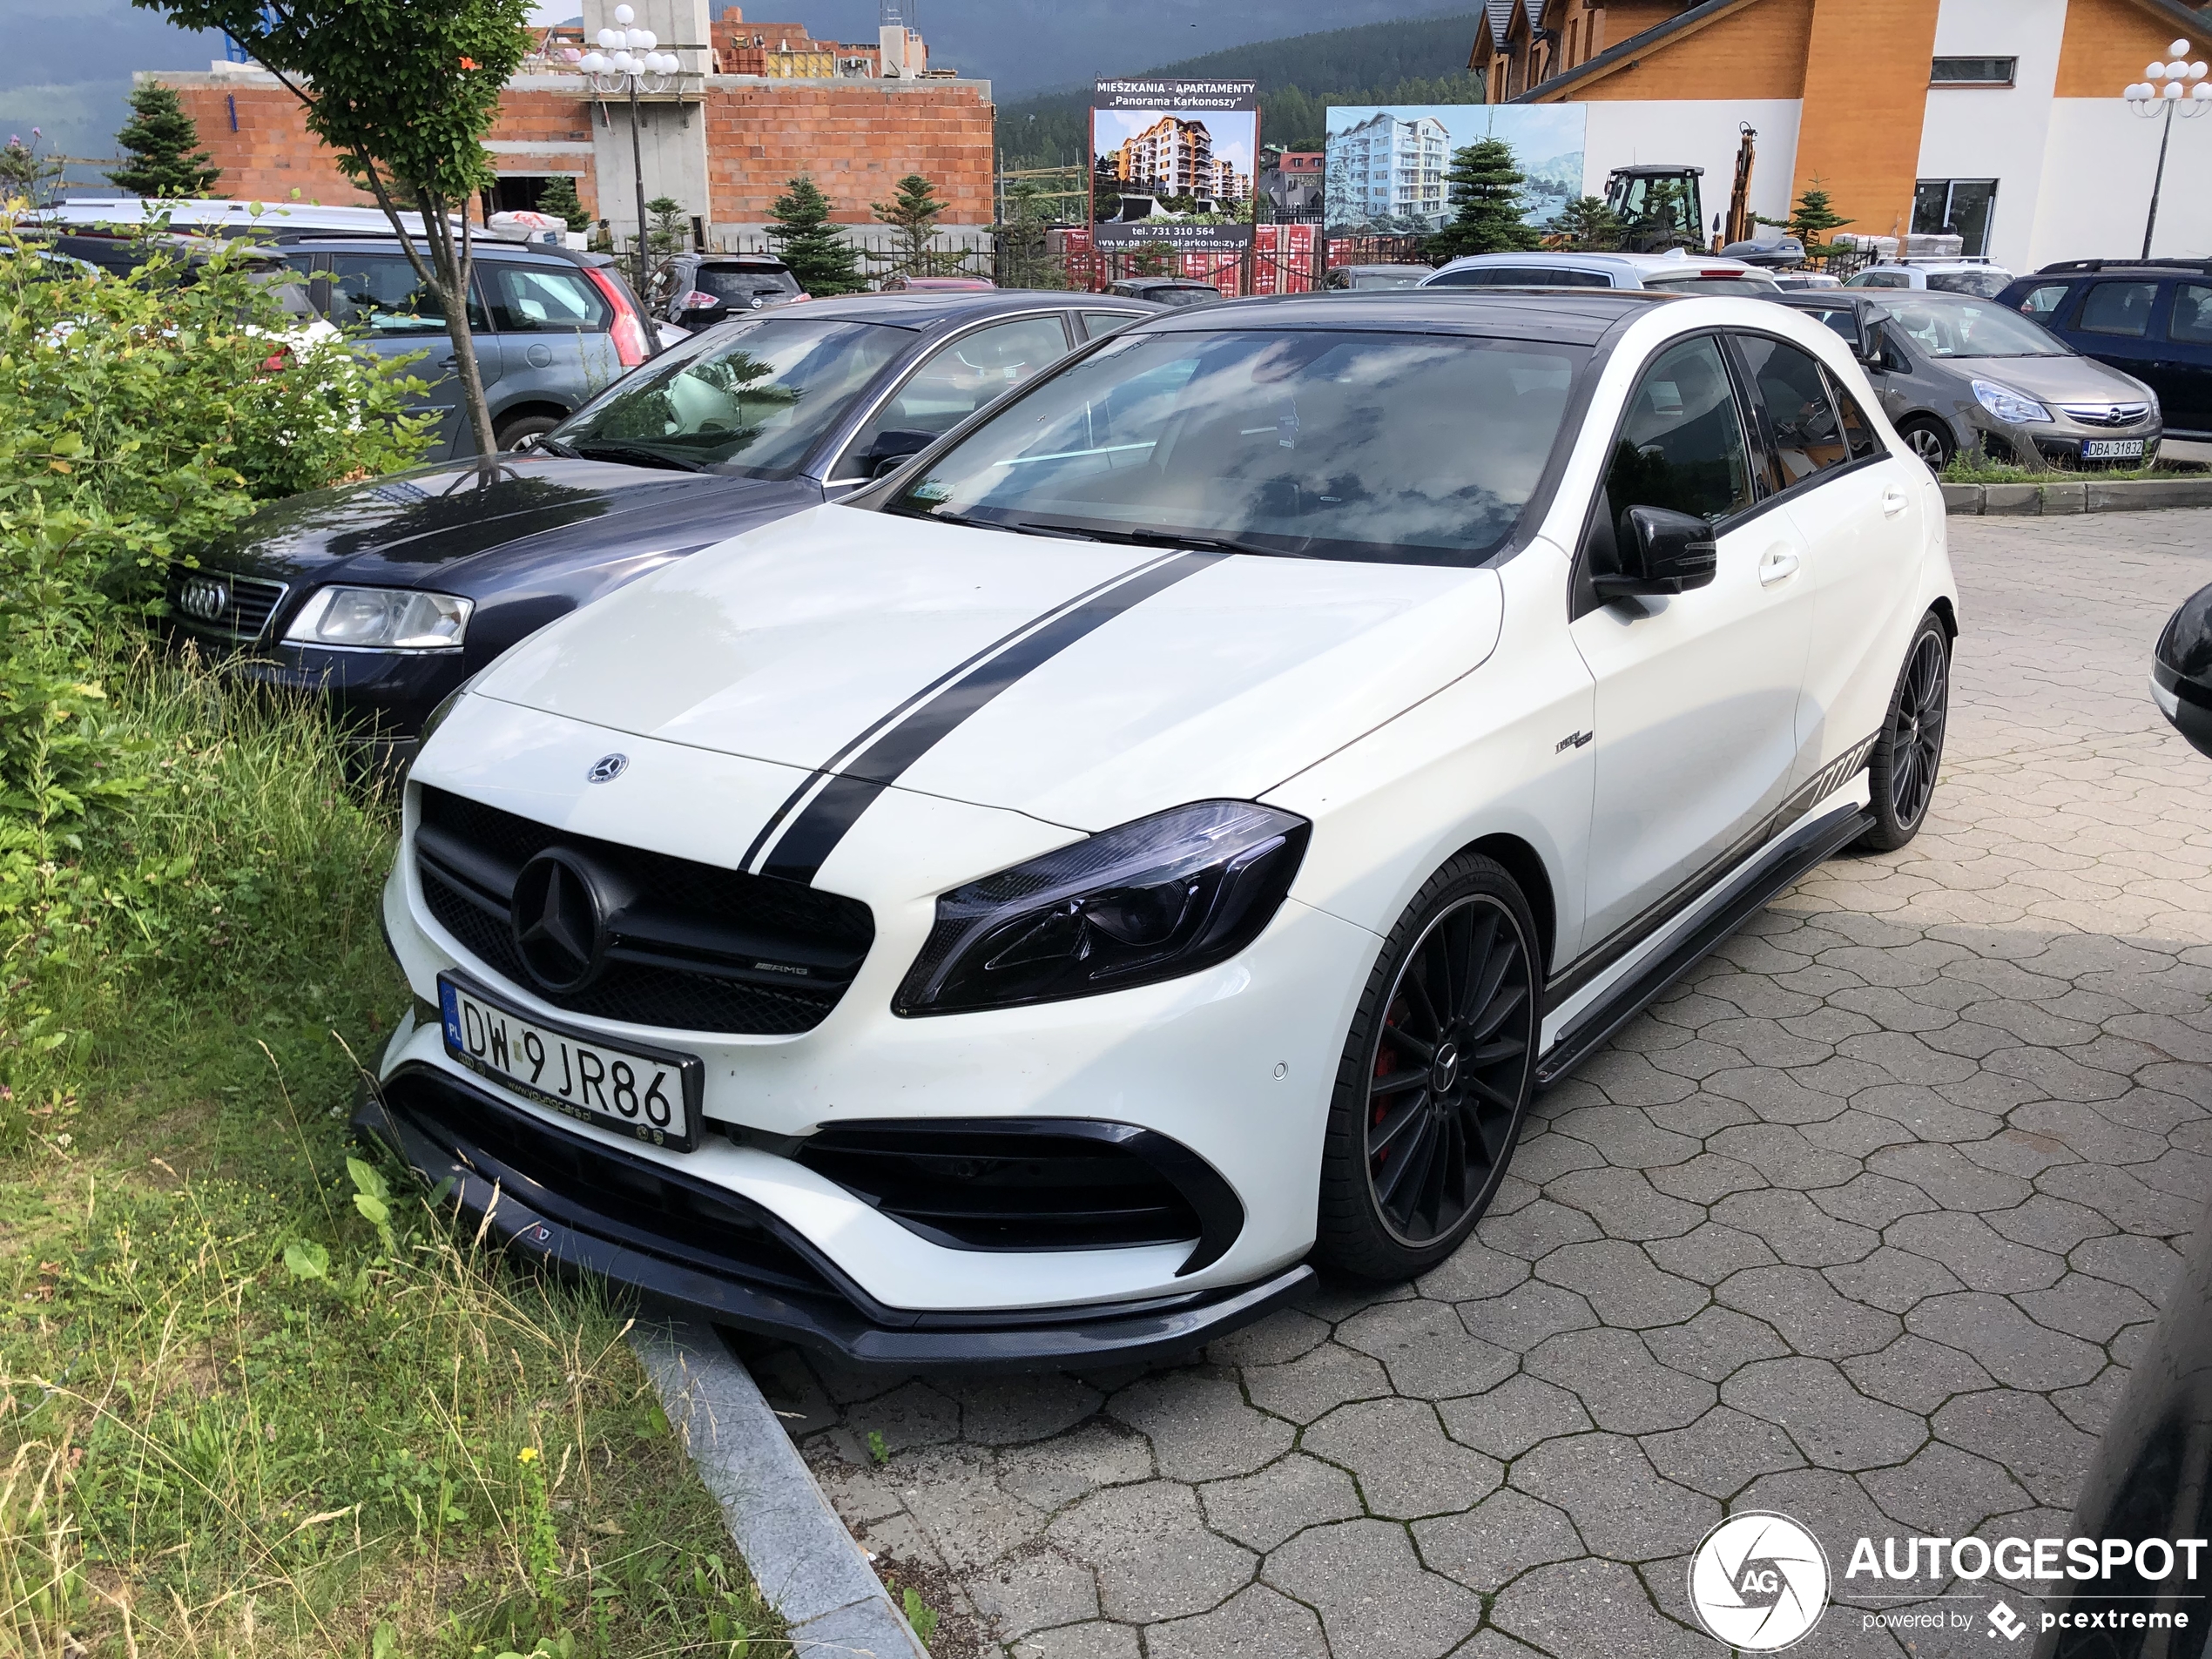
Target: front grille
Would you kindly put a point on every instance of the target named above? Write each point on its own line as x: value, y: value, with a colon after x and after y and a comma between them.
x: 1028, y: 1185
x: 691, y: 945
x: 607, y: 1193
x: 2106, y: 414
x: 222, y: 604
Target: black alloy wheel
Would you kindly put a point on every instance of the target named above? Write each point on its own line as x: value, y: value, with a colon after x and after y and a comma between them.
x: 1931, y: 442
x: 1910, y: 751
x: 1436, y: 1077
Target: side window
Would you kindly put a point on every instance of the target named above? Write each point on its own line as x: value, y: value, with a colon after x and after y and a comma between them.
x: 958, y: 379
x: 2119, y: 308
x: 2192, y: 324
x: 1097, y: 323
x: 2042, y: 303
x: 1858, y: 432
x: 380, y: 293
x: 1475, y: 276
x: 529, y: 299
x: 1682, y: 441
x: 1801, y: 421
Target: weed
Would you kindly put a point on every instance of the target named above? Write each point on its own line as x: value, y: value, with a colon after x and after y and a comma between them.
x: 921, y: 1616
x: 877, y: 1449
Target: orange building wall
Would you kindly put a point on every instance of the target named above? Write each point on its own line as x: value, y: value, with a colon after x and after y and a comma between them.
x: 272, y: 157
x: 2107, y: 41
x: 1757, y: 51
x: 1866, y: 93
x: 857, y: 138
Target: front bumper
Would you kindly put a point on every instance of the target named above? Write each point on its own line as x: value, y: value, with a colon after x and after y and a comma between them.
x: 388, y: 692
x: 581, y: 1204
x: 2055, y: 443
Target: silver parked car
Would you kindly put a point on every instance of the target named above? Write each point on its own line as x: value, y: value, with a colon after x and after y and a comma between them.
x: 1955, y: 372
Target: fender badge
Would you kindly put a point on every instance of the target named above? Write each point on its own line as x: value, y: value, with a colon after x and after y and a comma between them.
x: 607, y: 768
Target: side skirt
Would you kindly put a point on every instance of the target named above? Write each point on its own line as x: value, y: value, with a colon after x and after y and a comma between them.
x: 1788, y: 859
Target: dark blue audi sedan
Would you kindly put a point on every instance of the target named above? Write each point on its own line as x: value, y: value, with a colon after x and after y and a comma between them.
x: 386, y: 596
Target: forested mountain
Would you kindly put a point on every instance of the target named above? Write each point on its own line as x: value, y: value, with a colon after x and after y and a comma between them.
x: 1417, y: 60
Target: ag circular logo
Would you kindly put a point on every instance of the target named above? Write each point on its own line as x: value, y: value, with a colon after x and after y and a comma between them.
x: 1759, y: 1582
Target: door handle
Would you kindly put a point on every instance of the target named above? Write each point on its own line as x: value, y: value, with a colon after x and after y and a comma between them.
x: 1777, y: 565
x: 1893, y: 502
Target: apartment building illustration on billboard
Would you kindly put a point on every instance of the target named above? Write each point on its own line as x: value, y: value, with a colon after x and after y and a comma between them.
x: 1388, y: 169
x: 1175, y: 157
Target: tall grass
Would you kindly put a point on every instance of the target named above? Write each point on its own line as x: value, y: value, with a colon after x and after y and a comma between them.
x: 258, y: 1395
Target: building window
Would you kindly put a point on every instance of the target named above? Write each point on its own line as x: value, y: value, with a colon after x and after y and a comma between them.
x: 1974, y: 72
x: 1959, y: 208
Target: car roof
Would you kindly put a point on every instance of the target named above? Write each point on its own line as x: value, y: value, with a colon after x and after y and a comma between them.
x: 1573, y: 316
x: 1403, y: 265
x: 1657, y: 264
x: 1831, y: 298
x: 924, y: 308
x: 480, y: 247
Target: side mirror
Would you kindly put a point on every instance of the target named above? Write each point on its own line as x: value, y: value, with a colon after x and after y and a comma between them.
x: 1662, y: 552
x: 892, y: 446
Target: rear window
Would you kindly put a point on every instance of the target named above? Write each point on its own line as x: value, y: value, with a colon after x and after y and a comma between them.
x: 739, y: 286
x: 1697, y: 282
x: 1519, y: 276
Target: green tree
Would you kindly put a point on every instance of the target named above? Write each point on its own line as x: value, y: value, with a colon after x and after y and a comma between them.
x: 668, y: 232
x: 403, y: 90
x: 822, y: 261
x: 560, y: 199
x: 1485, y: 184
x: 24, y: 174
x: 1588, y: 225
x: 1024, y: 253
x: 161, y: 151
x: 913, y: 216
x: 1809, y: 218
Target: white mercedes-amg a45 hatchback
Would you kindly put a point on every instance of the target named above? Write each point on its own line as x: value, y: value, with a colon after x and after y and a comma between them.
x: 1160, y: 838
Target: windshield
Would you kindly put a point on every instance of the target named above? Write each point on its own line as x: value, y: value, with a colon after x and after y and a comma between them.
x: 1949, y: 326
x: 749, y: 398
x: 1418, y: 448
x: 1735, y: 282
x: 739, y: 286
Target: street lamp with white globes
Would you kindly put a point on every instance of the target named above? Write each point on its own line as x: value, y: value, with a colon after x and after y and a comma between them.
x: 628, y: 59
x: 2184, y: 89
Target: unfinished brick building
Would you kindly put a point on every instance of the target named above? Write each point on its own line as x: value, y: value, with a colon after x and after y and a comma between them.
x: 744, y: 120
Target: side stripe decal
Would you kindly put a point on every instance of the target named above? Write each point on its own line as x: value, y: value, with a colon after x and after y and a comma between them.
x: 821, y: 810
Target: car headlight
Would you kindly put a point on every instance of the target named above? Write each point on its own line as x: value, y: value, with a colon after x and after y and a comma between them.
x: 1161, y: 897
x: 2014, y: 408
x: 392, y: 619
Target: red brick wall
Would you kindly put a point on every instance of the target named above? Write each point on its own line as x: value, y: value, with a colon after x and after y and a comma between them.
x: 857, y: 138
x: 269, y: 156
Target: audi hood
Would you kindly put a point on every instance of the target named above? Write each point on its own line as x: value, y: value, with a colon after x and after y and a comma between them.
x: 1082, y: 682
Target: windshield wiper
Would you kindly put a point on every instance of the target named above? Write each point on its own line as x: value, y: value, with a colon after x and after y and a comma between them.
x: 553, y: 446
x: 634, y: 453
x: 1199, y: 544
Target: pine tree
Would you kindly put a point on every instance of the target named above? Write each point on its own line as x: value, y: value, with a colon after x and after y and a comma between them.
x: 1586, y: 226
x: 1811, y: 216
x: 560, y: 199
x: 1485, y: 186
x: 159, y: 148
x: 818, y: 257
x: 913, y: 216
x: 1024, y: 250
x: 668, y: 232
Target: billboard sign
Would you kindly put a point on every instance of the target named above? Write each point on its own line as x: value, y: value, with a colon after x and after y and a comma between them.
x: 1386, y: 168
x: 1174, y: 166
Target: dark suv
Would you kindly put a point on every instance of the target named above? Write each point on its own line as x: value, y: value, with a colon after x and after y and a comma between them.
x: 2148, y: 318
x: 553, y: 329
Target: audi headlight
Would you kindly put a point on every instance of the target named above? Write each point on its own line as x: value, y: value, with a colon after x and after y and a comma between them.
x: 2014, y: 408
x: 390, y: 618
x: 1164, y: 896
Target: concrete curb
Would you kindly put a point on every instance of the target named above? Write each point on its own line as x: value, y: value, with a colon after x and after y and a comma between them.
x: 805, y: 1561
x: 2086, y: 496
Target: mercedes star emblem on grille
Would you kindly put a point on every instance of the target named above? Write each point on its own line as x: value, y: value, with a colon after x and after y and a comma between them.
x: 205, y: 597
x: 559, y: 922
x: 606, y: 769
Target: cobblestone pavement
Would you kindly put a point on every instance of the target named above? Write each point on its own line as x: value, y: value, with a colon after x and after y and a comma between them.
x: 1862, y: 1223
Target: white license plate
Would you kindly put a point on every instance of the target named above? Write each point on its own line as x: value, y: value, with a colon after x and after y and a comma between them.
x: 650, y: 1094
x: 2112, y: 449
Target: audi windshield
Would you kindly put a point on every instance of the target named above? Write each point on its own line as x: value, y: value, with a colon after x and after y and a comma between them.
x: 1338, y: 444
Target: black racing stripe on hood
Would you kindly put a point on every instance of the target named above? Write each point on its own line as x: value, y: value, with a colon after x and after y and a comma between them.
x: 928, y: 719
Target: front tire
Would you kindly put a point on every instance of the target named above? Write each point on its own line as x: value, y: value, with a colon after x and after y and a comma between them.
x: 1910, y: 751
x: 1931, y: 442
x: 1436, y: 1077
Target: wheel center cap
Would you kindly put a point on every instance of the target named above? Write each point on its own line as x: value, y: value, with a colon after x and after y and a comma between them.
x: 1444, y: 1074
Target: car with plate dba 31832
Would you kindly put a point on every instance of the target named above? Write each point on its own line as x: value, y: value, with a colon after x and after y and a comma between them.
x: 1159, y: 839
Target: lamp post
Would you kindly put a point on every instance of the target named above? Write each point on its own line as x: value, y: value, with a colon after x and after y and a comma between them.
x: 627, y: 61
x: 2185, y: 88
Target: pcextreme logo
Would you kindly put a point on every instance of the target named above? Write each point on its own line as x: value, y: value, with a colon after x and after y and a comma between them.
x: 1759, y: 1582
